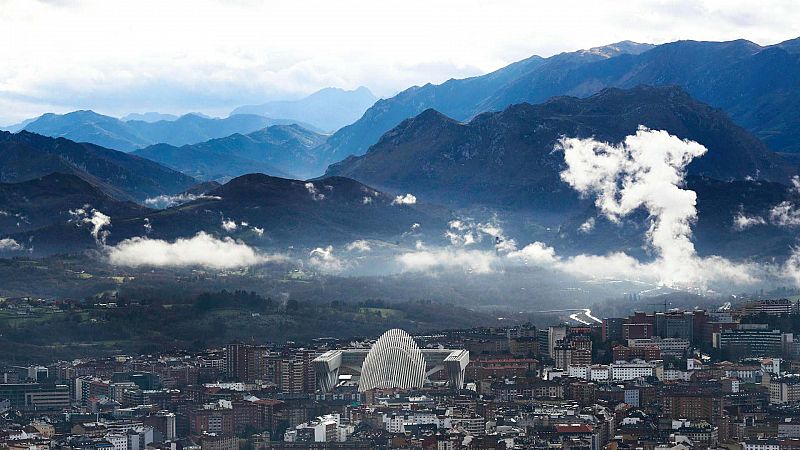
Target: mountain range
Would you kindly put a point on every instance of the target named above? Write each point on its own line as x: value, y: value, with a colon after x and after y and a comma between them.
x: 715, y: 232
x: 328, y: 109
x: 150, y: 116
x: 48, y: 200
x: 506, y: 159
x: 110, y: 132
x: 264, y: 211
x: 25, y: 156
x: 278, y: 150
x: 477, y: 144
x: 759, y: 87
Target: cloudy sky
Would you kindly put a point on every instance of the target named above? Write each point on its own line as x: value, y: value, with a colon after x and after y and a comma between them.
x: 202, y: 55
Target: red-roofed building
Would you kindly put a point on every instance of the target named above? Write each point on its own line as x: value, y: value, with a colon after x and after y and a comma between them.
x: 571, y: 435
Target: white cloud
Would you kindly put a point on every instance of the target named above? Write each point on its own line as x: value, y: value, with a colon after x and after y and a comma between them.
x: 646, y: 171
x: 791, y: 268
x: 323, y: 259
x: 359, y: 245
x: 212, y: 55
x: 200, y: 250
x: 407, y: 199
x: 229, y: 225
x: 315, y: 194
x: 537, y: 253
x: 366, y: 200
x: 618, y: 265
x: 466, y: 231
x: 743, y: 222
x: 785, y: 214
x: 9, y: 245
x: 422, y: 260
x: 258, y: 231
x: 588, y: 226
x: 168, y: 201
x: 96, y: 221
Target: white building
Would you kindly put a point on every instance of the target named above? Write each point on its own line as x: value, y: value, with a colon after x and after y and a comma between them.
x: 631, y: 371
x: 761, y: 444
x: 619, y: 371
x: 396, y: 423
x: 789, y: 428
x: 784, y: 389
x: 327, y: 428
x: 139, y: 437
x: 119, y: 441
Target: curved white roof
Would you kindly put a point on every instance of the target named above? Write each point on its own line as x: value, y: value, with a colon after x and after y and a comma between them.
x: 394, y: 361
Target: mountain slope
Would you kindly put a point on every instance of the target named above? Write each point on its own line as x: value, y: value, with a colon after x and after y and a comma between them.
x: 759, y: 87
x: 328, y: 109
x: 25, y: 156
x: 291, y: 212
x: 279, y: 150
x: 110, y: 132
x: 506, y: 159
x: 456, y: 98
x: 150, y: 116
x: 88, y: 126
x: 263, y: 211
x: 715, y: 231
x: 46, y: 201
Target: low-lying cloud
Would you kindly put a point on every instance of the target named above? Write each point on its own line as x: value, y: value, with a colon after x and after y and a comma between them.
x: 407, y: 199
x: 229, y: 225
x: 168, y: 201
x: 448, y: 258
x: 97, y: 222
x: 202, y: 250
x: 316, y: 195
x: 358, y: 246
x: 645, y: 171
x: 10, y: 245
x: 324, y: 260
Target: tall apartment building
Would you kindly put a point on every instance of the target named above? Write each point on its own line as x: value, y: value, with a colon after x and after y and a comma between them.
x: 246, y: 363
x: 296, y: 372
x: 612, y: 329
x: 575, y: 350
x: 784, y: 389
x: 554, y: 335
x: 675, y: 324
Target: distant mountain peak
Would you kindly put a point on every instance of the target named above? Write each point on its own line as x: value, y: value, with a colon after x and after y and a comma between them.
x: 27, y: 155
x: 618, y: 48
x: 282, y: 149
x: 327, y: 109
x: 505, y: 159
x: 756, y: 85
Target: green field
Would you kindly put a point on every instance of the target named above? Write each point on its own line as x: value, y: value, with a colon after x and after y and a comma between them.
x: 384, y: 313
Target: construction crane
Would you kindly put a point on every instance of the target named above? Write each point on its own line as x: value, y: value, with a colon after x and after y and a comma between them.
x: 665, y: 303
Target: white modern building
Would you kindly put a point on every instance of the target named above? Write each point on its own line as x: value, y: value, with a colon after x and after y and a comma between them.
x: 394, y: 361
x: 327, y: 428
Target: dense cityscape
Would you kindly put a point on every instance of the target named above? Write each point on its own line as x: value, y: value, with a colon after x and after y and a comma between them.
x: 675, y: 379
x: 399, y: 224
